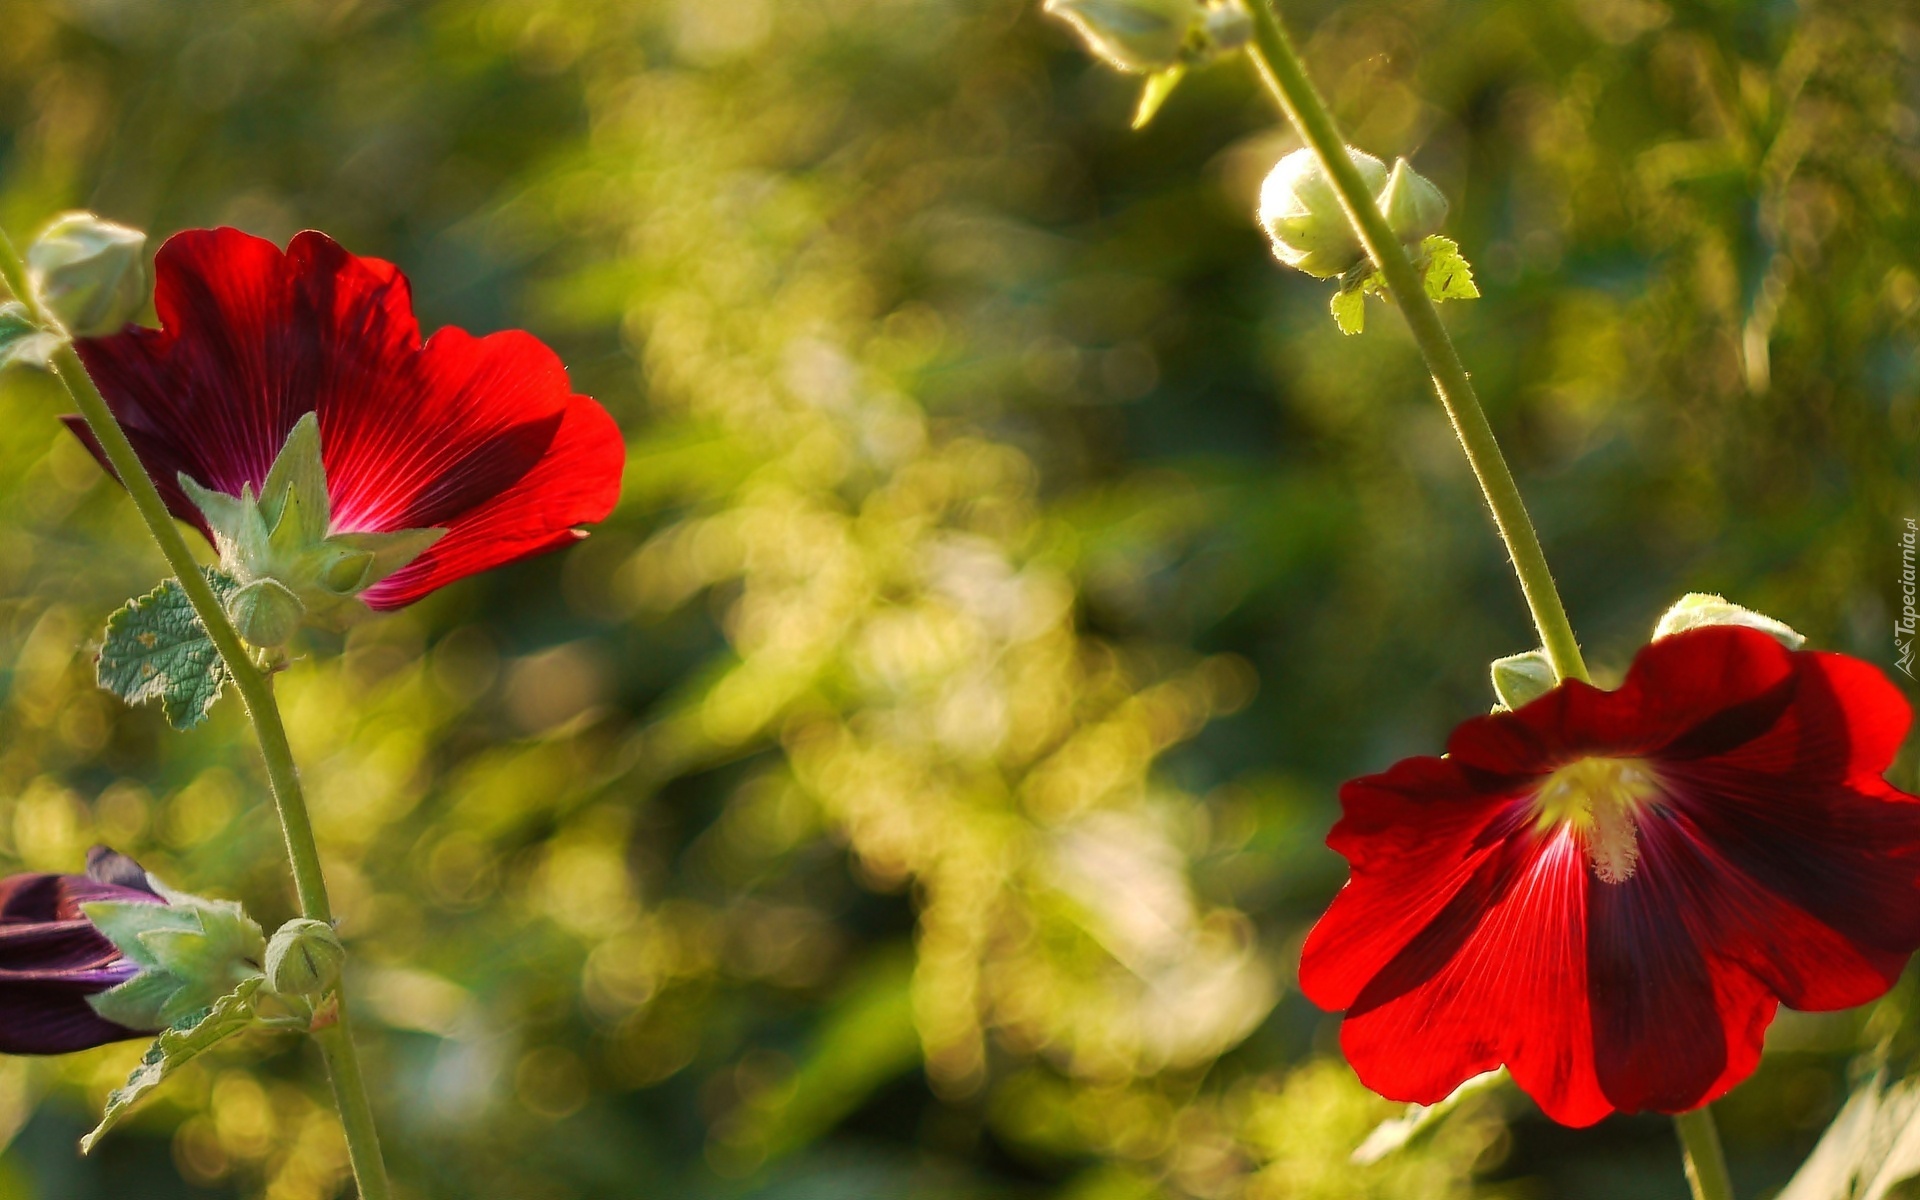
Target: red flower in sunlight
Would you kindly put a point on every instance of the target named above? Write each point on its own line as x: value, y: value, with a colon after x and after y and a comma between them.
x: 52, y: 957
x: 479, y: 437
x: 1610, y: 893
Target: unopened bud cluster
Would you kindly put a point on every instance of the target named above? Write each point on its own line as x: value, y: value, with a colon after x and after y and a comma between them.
x: 1300, y: 210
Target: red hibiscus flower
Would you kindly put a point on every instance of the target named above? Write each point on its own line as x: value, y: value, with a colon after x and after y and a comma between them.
x: 52, y: 958
x: 479, y: 437
x: 1610, y: 893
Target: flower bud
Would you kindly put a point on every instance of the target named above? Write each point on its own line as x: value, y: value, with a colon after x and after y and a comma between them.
x: 1137, y: 36
x: 1520, y: 679
x: 1411, y: 204
x: 1696, y: 609
x: 89, y: 273
x: 1301, y: 212
x: 265, y: 612
x: 304, y: 958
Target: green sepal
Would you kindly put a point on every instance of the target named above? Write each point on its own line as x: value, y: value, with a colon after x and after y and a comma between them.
x: 190, y: 951
x: 1697, y: 609
x: 1154, y: 93
x: 23, y: 341
x: 281, y: 536
x: 391, y: 551
x: 156, y: 649
x: 1520, y: 679
x: 294, y: 496
x: 185, y: 1040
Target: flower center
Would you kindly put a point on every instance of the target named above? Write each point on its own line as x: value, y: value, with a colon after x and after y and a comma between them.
x: 1600, y: 799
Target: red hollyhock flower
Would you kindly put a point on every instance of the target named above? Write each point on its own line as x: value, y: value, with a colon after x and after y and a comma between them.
x: 52, y: 958
x: 481, y: 437
x: 1609, y: 893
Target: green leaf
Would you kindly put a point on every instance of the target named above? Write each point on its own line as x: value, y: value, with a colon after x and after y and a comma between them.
x: 22, y: 341
x: 1154, y: 93
x: 1349, y: 310
x: 1349, y: 304
x: 1871, y: 1148
x: 1420, y: 1121
x: 174, y: 1048
x: 1448, y: 277
x: 156, y: 649
x: 294, y: 497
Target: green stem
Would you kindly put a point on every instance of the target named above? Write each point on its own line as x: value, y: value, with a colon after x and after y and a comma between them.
x: 256, y: 694
x: 1285, y: 76
x: 1706, y: 1162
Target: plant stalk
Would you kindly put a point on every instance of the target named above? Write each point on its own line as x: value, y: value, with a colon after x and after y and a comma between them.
x: 1706, y: 1163
x: 256, y: 695
x: 1280, y: 68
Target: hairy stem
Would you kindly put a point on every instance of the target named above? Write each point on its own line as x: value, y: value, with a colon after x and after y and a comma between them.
x: 1285, y: 76
x: 1706, y: 1163
x: 256, y: 694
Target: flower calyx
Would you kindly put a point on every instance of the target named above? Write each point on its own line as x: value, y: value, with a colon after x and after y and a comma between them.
x: 191, y: 951
x: 280, y: 548
x: 1698, y: 609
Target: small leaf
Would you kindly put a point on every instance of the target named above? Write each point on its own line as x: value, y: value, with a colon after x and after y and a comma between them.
x: 174, y: 1048
x: 156, y: 649
x: 22, y: 341
x: 1448, y: 277
x: 1154, y: 93
x: 1349, y: 310
x: 297, y: 476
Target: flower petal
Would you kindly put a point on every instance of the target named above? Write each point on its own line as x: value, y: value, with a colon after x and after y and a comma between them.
x: 577, y: 482
x: 1499, y: 977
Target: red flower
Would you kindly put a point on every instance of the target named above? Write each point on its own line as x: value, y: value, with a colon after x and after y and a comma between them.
x: 481, y: 437
x: 1609, y: 893
x: 52, y: 958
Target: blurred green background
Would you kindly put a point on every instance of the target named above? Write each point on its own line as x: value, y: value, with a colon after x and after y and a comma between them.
x: 916, y: 790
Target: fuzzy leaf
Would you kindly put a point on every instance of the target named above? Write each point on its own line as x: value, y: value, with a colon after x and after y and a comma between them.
x: 1448, y: 277
x: 1154, y: 93
x: 174, y: 1048
x: 1349, y: 310
x: 156, y: 649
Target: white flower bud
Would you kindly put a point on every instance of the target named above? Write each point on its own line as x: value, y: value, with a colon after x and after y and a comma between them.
x: 1137, y: 36
x: 1301, y: 212
x: 1697, y: 609
x: 1411, y: 204
x: 89, y: 273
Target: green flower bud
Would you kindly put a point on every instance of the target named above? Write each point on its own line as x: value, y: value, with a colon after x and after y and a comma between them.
x: 1696, y: 609
x: 1137, y: 36
x: 1411, y: 204
x: 304, y: 958
x: 1301, y: 212
x: 266, y: 612
x: 1522, y: 678
x: 89, y: 273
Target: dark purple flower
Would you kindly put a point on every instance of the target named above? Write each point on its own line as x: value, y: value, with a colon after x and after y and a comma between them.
x: 52, y: 958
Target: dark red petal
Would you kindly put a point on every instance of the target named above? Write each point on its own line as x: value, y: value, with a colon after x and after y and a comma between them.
x: 1813, y: 859
x: 1498, y: 977
x: 576, y: 483
x: 1673, y: 1025
x: 41, y: 1019
x: 106, y: 865
x: 1413, y: 837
